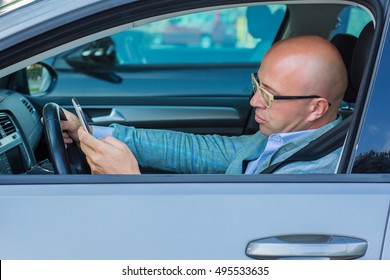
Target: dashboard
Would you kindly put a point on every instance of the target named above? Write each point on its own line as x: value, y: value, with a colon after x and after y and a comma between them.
x: 20, y: 133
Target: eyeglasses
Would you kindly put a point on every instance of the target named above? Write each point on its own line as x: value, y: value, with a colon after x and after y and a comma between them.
x: 267, y: 98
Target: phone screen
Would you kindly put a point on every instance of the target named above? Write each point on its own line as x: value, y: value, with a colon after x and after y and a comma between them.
x: 80, y: 114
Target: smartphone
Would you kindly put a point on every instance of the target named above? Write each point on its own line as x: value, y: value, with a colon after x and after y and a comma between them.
x: 80, y: 114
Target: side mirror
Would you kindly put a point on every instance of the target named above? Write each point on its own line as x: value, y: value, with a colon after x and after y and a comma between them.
x: 41, y: 78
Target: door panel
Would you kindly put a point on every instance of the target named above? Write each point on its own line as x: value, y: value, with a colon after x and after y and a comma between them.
x: 182, y: 220
x: 195, y: 119
x: 197, y: 101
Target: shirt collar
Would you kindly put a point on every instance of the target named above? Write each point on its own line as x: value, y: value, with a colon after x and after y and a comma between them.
x: 286, y: 137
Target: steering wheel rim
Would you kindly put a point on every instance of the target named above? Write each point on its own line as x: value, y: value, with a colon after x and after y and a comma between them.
x: 55, y: 141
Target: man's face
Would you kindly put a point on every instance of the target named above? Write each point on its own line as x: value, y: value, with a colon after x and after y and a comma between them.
x: 281, y: 79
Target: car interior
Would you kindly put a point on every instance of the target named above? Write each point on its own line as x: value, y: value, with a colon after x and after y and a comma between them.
x: 203, y: 98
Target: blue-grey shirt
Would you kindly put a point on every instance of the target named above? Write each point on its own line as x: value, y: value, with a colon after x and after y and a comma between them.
x: 275, y: 141
x: 210, y: 154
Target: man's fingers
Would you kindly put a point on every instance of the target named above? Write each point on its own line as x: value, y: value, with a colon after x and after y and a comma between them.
x: 113, y: 142
x: 108, y: 155
x: 87, y: 141
x: 66, y: 125
x: 67, y: 137
x: 90, y: 144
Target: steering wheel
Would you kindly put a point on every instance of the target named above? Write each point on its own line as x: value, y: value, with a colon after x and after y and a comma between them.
x: 59, y: 154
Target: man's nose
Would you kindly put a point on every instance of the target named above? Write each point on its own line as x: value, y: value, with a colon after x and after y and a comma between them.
x: 256, y: 101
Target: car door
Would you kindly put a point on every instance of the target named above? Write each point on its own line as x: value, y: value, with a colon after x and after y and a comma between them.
x: 213, y: 216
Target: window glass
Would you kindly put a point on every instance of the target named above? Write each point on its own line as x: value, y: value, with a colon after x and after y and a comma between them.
x: 373, y: 150
x: 373, y: 154
x: 235, y: 35
x: 206, y: 37
x: 351, y: 20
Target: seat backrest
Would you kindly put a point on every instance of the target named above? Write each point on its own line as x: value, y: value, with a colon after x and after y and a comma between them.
x: 355, y: 53
x: 259, y: 22
x: 345, y: 43
x: 361, y: 53
x: 263, y: 24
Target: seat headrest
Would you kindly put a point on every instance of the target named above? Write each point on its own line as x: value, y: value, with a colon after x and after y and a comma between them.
x: 255, y: 15
x: 262, y: 22
x: 345, y: 43
x: 361, y: 53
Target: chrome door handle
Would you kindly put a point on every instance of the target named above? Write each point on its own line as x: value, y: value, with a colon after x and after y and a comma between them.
x: 307, y: 246
x: 114, y: 116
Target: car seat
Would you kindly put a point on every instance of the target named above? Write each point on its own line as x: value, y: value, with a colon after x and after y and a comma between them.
x: 345, y: 43
x: 263, y: 24
x: 360, y: 56
x: 354, y: 52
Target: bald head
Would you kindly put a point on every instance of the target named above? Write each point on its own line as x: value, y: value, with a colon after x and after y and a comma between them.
x: 311, y: 66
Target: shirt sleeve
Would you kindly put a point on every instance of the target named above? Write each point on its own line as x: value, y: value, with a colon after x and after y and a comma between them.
x: 101, y: 131
x: 180, y: 152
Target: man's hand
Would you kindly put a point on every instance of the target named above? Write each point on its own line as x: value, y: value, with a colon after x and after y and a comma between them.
x: 70, y: 128
x: 107, y: 155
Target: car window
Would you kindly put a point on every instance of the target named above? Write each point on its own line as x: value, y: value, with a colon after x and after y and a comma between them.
x: 351, y: 20
x: 373, y: 149
x: 234, y: 35
x: 114, y: 87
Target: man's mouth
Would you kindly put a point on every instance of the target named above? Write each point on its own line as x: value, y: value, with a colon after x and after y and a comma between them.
x: 259, y: 119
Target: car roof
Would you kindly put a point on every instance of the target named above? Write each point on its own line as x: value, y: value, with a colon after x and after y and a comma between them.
x: 54, y: 13
x: 24, y: 25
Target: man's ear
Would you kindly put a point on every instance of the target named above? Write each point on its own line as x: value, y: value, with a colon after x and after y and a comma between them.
x: 318, y: 107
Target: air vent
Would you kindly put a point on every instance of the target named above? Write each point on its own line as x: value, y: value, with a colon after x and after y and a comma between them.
x: 6, y: 126
x: 28, y: 105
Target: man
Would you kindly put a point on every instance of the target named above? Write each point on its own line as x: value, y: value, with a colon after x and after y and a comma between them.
x: 298, y: 90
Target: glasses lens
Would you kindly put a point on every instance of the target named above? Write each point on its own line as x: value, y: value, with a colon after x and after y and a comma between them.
x: 254, y: 84
x: 264, y: 97
x: 256, y: 88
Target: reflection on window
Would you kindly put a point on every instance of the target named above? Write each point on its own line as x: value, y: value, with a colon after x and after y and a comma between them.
x: 9, y: 5
x: 235, y: 35
x: 372, y: 162
x: 351, y: 21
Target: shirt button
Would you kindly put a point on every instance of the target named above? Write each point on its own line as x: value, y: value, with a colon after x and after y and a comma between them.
x: 278, y: 138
